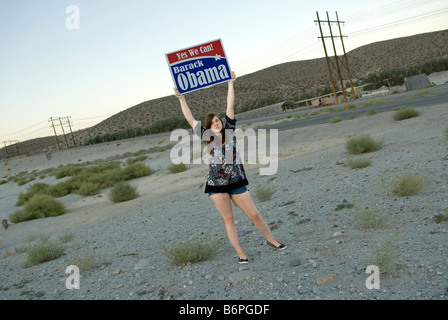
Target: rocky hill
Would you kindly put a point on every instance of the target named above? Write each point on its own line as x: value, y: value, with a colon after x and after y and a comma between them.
x: 284, y: 81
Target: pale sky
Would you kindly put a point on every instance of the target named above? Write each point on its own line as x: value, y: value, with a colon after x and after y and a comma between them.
x: 90, y: 59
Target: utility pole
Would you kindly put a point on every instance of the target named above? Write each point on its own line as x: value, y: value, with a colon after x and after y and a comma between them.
x: 65, y: 137
x: 327, y: 59
x: 55, y: 134
x: 336, y: 58
x: 53, y: 125
x: 71, y: 132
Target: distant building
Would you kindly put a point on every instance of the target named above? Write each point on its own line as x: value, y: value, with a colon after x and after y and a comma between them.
x: 419, y: 81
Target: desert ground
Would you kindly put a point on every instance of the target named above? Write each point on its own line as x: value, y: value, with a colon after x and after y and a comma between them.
x: 327, y: 253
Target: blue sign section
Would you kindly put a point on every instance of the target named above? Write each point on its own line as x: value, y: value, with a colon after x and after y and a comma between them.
x: 200, y: 73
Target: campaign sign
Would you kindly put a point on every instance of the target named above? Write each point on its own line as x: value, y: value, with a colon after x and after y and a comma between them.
x: 198, y: 67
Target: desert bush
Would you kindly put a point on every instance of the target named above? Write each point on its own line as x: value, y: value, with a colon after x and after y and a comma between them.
x: 66, y: 171
x: 72, y: 185
x: 362, y: 144
x: 22, y: 215
x: 407, y: 185
x: 39, y: 206
x: 43, y: 251
x: 84, y: 181
x: 336, y: 119
x: 385, y: 257
x: 37, y: 188
x: 22, y: 181
x: 367, y: 218
x: 86, y: 177
x: 88, y: 189
x: 123, y: 191
x: 264, y: 193
x: 105, y: 175
x: 45, y: 205
x: 358, y: 163
x: 106, y: 179
x: 101, y: 168
x: 66, y: 237
x: 136, y: 170
x: 88, y: 260
x: 176, y: 168
x: 191, y: 251
x: 348, y: 107
x: 405, y: 113
x: 59, y: 190
x: 138, y: 158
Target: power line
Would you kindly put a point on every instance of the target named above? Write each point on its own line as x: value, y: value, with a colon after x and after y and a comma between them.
x: 55, y: 134
x: 358, y: 18
x: 32, y: 132
x: 70, y: 127
x: 35, y: 125
x: 67, y: 123
x: 96, y: 117
x: 394, y: 23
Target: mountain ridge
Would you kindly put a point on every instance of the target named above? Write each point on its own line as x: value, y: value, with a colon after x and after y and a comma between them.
x: 287, y: 80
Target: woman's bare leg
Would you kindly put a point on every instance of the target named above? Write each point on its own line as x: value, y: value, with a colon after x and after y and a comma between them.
x: 245, y: 203
x: 224, y: 206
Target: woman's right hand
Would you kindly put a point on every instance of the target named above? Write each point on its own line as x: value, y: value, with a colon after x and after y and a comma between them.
x: 178, y: 94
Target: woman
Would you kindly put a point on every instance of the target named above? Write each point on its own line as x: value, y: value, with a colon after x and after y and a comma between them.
x: 227, y: 179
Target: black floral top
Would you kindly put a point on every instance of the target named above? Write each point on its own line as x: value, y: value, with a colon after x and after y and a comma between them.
x: 226, y: 171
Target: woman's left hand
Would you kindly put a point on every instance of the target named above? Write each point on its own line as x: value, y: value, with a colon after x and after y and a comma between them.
x: 233, y: 76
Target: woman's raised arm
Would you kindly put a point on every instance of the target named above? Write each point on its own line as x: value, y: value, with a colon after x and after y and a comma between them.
x: 185, y: 109
x: 231, y: 97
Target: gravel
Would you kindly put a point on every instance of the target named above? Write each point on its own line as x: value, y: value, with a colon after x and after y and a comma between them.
x: 310, y: 211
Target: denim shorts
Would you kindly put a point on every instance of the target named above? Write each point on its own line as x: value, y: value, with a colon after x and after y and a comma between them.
x: 231, y: 192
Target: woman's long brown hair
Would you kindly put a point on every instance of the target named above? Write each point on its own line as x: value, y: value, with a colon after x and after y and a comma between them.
x: 208, y: 125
